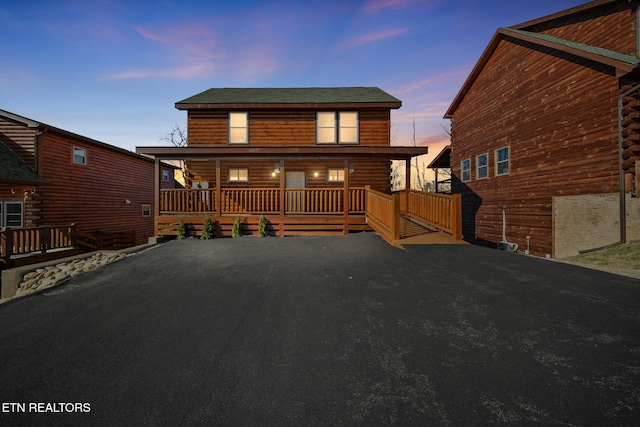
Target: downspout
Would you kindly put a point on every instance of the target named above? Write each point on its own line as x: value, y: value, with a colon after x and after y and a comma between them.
x: 622, y: 192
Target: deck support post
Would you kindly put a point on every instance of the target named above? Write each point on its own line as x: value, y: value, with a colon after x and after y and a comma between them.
x: 346, y: 196
x: 282, y: 197
x: 156, y: 198
x: 218, y: 194
x: 407, y: 174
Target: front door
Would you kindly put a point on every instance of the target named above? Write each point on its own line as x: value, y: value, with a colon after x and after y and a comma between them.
x: 295, y: 199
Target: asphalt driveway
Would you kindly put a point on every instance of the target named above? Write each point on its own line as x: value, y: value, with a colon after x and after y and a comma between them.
x: 324, y: 331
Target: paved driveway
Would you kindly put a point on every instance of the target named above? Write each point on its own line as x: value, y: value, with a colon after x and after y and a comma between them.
x: 325, y: 331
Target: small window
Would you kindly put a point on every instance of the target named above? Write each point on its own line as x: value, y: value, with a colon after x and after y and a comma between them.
x: 146, y: 210
x: 466, y: 170
x: 482, y: 167
x: 238, y: 175
x: 79, y: 156
x: 13, y: 214
x: 335, y: 175
x: 239, y: 128
x: 165, y: 175
x: 502, y: 161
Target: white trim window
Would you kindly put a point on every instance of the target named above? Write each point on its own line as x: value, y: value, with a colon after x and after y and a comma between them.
x: 238, y: 127
x: 465, y: 170
x: 335, y: 175
x: 11, y: 214
x: 482, y: 166
x: 502, y: 161
x: 337, y: 127
x: 79, y: 156
x: 165, y: 175
x: 238, y: 175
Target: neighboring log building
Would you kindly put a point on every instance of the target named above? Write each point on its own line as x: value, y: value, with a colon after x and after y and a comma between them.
x: 49, y: 176
x: 536, y: 133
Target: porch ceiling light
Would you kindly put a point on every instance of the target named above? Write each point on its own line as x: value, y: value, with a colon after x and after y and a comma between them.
x: 351, y: 169
x: 276, y: 169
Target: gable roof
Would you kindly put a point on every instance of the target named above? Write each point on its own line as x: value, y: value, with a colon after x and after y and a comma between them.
x: 286, y: 97
x: 13, y: 170
x: 622, y: 63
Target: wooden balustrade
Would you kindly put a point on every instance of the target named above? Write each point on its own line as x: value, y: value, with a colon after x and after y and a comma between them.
x: 442, y: 211
x: 250, y: 200
x: 383, y: 214
x: 317, y: 201
x: 35, y: 241
x: 177, y: 201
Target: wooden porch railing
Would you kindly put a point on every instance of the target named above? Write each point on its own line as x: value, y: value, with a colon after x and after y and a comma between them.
x: 441, y: 211
x: 298, y: 201
x: 34, y: 241
x: 383, y: 215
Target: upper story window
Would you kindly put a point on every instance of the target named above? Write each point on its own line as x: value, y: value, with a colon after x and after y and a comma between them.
x: 482, y: 166
x: 502, y: 161
x: 337, y: 127
x: 238, y: 175
x: 79, y: 156
x: 238, y: 127
x: 465, y: 167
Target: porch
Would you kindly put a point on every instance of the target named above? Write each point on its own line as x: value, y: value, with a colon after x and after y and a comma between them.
x: 309, y: 211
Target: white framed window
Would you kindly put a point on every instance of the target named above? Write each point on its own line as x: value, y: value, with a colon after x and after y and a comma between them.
x: 238, y: 175
x: 11, y: 214
x: 335, y: 175
x: 465, y: 168
x: 238, y: 127
x: 337, y: 127
x: 502, y: 161
x: 146, y: 210
x: 482, y: 166
x: 79, y: 156
x: 165, y: 175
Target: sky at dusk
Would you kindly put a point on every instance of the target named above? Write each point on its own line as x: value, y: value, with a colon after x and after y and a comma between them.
x: 112, y: 70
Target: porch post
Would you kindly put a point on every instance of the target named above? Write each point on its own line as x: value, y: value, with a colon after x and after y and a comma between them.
x: 346, y: 196
x: 407, y: 174
x: 282, y: 197
x: 218, y: 191
x: 156, y: 202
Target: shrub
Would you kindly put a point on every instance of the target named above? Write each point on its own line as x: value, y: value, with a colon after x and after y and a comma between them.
x: 263, y: 229
x: 237, y: 228
x: 182, y: 230
x: 207, y: 229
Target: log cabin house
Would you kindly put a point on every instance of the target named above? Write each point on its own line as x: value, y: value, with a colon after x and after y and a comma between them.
x: 49, y: 176
x: 545, y: 133
x: 301, y: 157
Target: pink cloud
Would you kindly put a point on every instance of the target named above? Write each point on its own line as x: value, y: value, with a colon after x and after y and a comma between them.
x: 375, y: 6
x: 372, y: 37
x: 204, y: 69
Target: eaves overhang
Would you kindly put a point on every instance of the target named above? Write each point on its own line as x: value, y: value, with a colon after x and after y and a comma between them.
x: 302, y: 152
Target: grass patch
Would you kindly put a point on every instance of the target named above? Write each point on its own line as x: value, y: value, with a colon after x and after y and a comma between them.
x: 619, y: 259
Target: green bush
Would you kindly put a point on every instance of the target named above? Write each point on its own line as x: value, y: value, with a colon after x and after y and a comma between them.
x: 263, y: 230
x: 237, y: 228
x: 182, y: 230
x: 207, y: 229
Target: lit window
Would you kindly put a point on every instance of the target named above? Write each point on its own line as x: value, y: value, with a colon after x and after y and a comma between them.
x: 79, y: 156
x: 13, y: 214
x: 337, y: 127
x: 238, y: 175
x: 502, y: 161
x: 239, y: 128
x: 335, y: 175
x: 466, y: 170
x: 482, y: 167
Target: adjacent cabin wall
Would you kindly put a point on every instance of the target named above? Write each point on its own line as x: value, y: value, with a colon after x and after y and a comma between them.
x: 94, y: 196
x: 612, y: 26
x: 20, y: 139
x: 558, y: 115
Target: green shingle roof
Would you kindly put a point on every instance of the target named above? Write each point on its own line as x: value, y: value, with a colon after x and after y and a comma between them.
x: 324, y: 95
x: 13, y: 168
